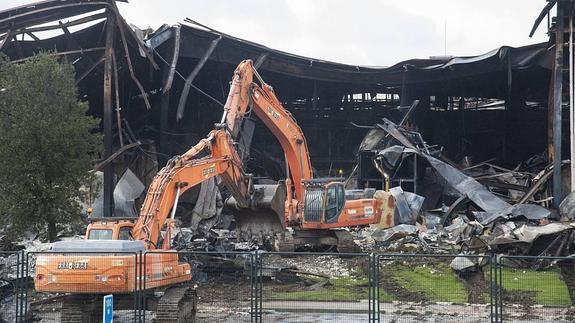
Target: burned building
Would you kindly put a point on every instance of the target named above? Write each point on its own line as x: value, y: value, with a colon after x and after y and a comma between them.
x: 159, y: 92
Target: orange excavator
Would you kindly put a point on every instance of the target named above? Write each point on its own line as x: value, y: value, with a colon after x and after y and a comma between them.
x: 298, y: 211
x: 308, y: 211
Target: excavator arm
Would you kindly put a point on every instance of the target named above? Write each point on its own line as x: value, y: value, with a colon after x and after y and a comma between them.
x: 243, y: 95
x: 286, y: 130
x: 264, y: 103
x: 184, y: 172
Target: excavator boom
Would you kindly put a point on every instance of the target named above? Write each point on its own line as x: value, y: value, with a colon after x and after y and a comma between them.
x: 184, y: 172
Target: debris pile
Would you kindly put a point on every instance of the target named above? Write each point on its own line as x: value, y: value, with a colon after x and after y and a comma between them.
x: 466, y: 208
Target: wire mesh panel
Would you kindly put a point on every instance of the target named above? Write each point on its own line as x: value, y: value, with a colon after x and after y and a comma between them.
x: 537, y: 289
x: 70, y: 287
x: 434, y: 288
x: 10, y: 282
x: 314, y: 287
x: 220, y: 287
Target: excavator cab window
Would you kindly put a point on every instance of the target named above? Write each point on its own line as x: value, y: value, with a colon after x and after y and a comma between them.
x: 335, y: 199
x: 100, y: 234
x: 125, y: 233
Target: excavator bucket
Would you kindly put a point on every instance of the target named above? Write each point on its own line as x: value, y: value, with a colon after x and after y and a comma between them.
x: 265, y: 218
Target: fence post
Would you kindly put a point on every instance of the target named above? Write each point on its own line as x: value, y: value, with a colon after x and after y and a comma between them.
x: 141, y: 309
x: 145, y: 278
x: 492, y: 303
x: 259, y: 293
x: 253, y: 288
x: 24, y: 287
x: 373, y: 278
x: 370, y: 288
x: 499, y: 287
x: 496, y: 303
x: 17, y: 286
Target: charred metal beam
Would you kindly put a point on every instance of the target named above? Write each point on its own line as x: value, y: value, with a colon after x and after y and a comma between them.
x: 409, y: 112
x: 71, y: 39
x: 37, y: 18
x: 261, y: 59
x: 99, y: 166
x: 18, y: 46
x: 69, y: 52
x: 176, y: 54
x: 131, y: 68
x: 90, y: 69
x: 107, y: 99
x: 192, y: 76
x: 557, y: 101
x: 117, y: 100
x: 193, y: 86
x: 66, y: 24
x: 123, y: 25
x: 32, y: 36
x: 391, y: 128
x: 542, y: 14
x: 6, y: 39
x: 141, y: 44
x: 164, y: 125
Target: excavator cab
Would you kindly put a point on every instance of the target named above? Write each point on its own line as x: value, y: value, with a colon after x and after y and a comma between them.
x: 110, y: 229
x: 326, y: 206
x: 324, y: 202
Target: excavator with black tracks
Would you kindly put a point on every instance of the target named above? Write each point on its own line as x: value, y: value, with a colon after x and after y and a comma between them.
x: 305, y: 211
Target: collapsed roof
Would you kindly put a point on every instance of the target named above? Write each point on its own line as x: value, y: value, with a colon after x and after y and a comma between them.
x: 462, y: 76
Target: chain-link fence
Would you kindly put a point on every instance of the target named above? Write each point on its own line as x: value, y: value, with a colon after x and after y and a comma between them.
x: 536, y: 289
x: 433, y: 288
x: 88, y: 276
x: 221, y: 289
x: 10, y: 284
x: 285, y: 287
x: 313, y: 287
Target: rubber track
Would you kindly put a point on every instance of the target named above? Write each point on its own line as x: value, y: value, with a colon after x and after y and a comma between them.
x: 177, y: 305
x: 78, y: 309
x: 345, y: 243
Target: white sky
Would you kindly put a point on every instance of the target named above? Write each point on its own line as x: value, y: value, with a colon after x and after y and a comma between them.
x: 363, y: 32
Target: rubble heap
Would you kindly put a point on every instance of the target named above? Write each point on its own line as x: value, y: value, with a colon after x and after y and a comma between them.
x: 464, y: 208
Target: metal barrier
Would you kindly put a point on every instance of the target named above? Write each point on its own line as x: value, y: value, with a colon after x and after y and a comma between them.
x: 291, y: 287
x: 536, y: 289
x: 46, y: 305
x: 222, y: 288
x: 10, y: 285
x: 306, y: 287
x: 225, y: 285
x: 416, y: 287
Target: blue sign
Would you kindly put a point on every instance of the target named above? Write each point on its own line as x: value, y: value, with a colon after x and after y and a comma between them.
x: 108, y: 309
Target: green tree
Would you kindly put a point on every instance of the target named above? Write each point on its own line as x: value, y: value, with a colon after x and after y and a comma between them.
x: 47, y: 144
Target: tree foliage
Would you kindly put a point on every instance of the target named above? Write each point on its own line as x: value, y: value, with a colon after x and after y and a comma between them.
x: 47, y: 144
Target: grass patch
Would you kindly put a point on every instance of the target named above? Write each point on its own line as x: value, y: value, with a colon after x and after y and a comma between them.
x: 337, y: 289
x: 437, y: 282
x: 548, y: 286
